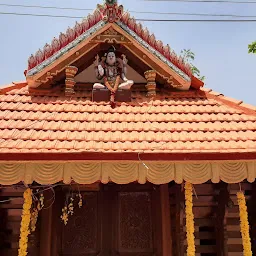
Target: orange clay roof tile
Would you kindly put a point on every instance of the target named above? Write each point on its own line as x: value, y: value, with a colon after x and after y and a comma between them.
x: 196, y: 121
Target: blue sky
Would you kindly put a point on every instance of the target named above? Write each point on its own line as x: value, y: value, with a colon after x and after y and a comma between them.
x: 220, y: 48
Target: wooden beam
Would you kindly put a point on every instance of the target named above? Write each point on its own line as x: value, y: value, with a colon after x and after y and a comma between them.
x: 166, y: 220
x: 99, y: 156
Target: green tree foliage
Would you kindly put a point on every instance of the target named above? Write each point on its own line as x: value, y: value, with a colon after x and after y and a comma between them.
x: 188, y: 56
x: 252, y: 47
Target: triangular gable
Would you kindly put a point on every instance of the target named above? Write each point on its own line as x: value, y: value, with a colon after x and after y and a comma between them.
x: 108, y: 24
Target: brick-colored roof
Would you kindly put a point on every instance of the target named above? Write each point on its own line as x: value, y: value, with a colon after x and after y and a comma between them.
x: 182, y: 122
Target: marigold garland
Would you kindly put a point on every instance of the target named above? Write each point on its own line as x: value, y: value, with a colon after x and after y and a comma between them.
x: 190, y: 228
x: 25, y: 221
x: 244, y: 225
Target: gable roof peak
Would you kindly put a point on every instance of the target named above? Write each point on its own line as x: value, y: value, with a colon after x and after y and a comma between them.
x: 111, y: 11
x: 107, y: 13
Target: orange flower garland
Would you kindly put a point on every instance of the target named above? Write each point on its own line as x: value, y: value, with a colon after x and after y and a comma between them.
x: 244, y: 225
x: 190, y: 227
x: 25, y: 222
x: 112, y: 90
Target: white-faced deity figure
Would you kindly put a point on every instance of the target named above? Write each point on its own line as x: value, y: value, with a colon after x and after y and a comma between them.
x: 112, y: 71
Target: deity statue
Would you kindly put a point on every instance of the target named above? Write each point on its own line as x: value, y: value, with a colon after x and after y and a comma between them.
x: 113, y: 72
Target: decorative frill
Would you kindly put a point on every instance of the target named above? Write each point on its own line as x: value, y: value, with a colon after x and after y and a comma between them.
x: 190, y: 228
x: 244, y: 225
x: 25, y: 222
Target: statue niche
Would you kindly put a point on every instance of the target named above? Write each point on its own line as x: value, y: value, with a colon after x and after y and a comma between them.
x: 112, y: 71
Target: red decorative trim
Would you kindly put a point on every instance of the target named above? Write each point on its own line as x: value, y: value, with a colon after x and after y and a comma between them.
x: 126, y: 156
x: 196, y: 83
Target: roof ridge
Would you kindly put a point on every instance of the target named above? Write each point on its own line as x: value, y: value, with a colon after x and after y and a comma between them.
x: 231, y: 102
x: 14, y: 85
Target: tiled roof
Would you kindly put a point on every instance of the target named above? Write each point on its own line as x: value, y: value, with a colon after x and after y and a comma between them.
x: 183, y: 122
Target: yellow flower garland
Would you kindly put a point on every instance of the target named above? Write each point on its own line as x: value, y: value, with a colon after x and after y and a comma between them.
x: 25, y: 221
x: 244, y: 225
x: 190, y: 228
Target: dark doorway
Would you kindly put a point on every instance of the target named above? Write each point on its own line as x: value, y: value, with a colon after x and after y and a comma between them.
x: 117, y: 220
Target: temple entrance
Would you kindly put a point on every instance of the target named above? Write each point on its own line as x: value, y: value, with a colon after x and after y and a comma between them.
x: 116, y: 220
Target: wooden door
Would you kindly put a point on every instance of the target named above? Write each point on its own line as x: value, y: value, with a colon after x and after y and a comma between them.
x: 82, y: 234
x: 118, y: 220
x: 134, y: 223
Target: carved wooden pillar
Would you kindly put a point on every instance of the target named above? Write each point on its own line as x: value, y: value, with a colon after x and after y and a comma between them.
x: 150, y: 76
x: 252, y: 218
x: 33, y: 243
x: 70, y: 82
x: 166, y: 220
x: 221, y: 212
x: 3, y: 223
x: 46, y: 226
x: 56, y: 224
x: 180, y: 208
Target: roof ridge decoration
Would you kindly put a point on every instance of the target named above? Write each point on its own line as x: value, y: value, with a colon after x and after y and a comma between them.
x: 64, y: 39
x: 110, y: 12
x: 164, y: 50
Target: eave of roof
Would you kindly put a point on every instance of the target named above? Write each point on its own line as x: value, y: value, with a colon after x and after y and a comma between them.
x: 14, y: 85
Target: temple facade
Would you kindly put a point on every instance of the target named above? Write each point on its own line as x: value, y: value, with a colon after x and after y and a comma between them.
x: 111, y: 146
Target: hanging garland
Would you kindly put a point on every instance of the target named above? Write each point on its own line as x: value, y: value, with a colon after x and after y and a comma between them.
x: 68, y: 209
x: 112, y: 89
x: 25, y: 221
x: 190, y: 228
x: 34, y: 213
x: 244, y: 225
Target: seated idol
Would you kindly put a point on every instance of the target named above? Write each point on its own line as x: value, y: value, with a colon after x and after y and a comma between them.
x: 113, y: 72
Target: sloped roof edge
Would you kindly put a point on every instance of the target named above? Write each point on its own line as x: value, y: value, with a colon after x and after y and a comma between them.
x: 231, y: 102
x: 65, y: 49
x: 12, y: 86
x: 153, y: 51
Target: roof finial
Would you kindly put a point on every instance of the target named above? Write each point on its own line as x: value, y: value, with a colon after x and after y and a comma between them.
x: 111, y: 2
x: 111, y: 11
